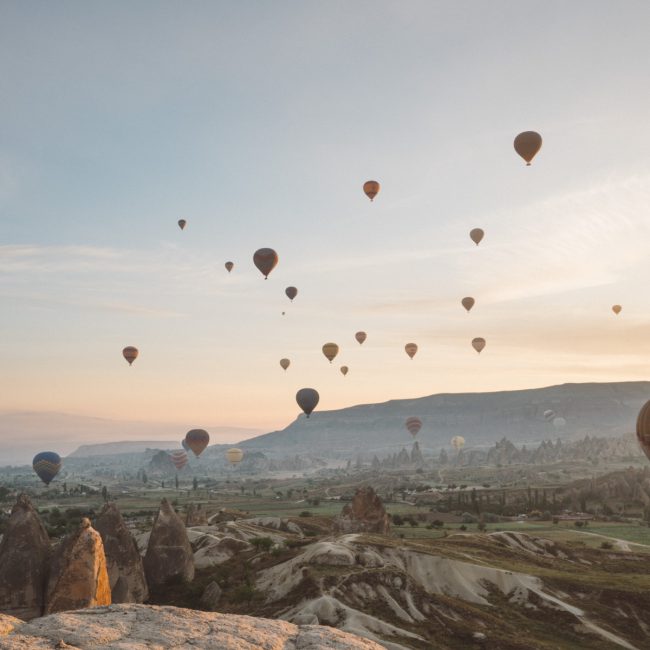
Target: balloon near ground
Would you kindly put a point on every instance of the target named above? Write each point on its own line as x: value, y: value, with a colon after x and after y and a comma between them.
x: 197, y: 440
x: 559, y: 423
x: 617, y: 309
x: 234, y: 456
x: 179, y: 458
x: 330, y: 350
x: 478, y: 344
x: 291, y: 292
x: 411, y: 349
x: 265, y: 259
x: 413, y: 425
x: 527, y: 144
x: 285, y: 363
x: 361, y: 337
x: 371, y: 188
x: 643, y: 428
x: 229, y: 266
x: 182, y: 223
x: 130, y: 353
x: 549, y: 415
x: 467, y: 302
x: 47, y: 464
x: 476, y: 235
x: 458, y: 442
x: 344, y: 370
x: 307, y: 399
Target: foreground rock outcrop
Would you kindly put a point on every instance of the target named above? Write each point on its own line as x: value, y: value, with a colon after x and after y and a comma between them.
x: 123, y: 560
x: 169, y: 554
x: 141, y: 626
x: 365, y: 513
x: 24, y: 557
x: 78, y: 576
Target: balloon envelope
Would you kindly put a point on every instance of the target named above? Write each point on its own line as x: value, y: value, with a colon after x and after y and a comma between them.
x: 197, y: 440
x: 478, y: 344
x: 330, y: 350
x: 361, y: 337
x: 414, y: 425
x: 476, y: 235
x: 130, y: 353
x: 527, y: 144
x: 467, y: 302
x: 344, y: 370
x: 643, y: 428
x: 458, y: 442
x: 179, y: 458
x: 234, y: 456
x: 229, y: 266
x: 549, y: 415
x: 291, y: 292
x: 184, y: 445
x: 47, y: 464
x: 285, y: 363
x: 265, y: 259
x: 411, y: 349
x: 617, y: 309
x: 307, y: 399
x: 182, y: 223
x: 371, y: 188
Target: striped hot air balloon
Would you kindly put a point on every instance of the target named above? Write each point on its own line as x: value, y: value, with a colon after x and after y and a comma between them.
x: 47, y: 464
x: 234, y: 456
x: 179, y: 458
x: 413, y: 425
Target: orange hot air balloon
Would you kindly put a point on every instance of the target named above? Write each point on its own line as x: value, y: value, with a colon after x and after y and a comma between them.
x: 285, y: 363
x: 476, y: 235
x: 197, y: 440
x: 307, y: 399
x: 617, y: 309
x: 330, y: 350
x: 130, y: 353
x: 467, y: 302
x: 411, y: 349
x: 643, y: 428
x: 265, y: 259
x: 291, y: 292
x: 229, y: 266
x: 234, y: 456
x: 344, y: 370
x: 182, y: 223
x: 179, y: 458
x: 361, y: 337
x: 371, y: 188
x: 527, y: 144
x: 414, y: 425
x: 478, y: 344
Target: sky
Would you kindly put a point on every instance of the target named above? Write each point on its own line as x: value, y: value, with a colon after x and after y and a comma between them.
x: 258, y: 123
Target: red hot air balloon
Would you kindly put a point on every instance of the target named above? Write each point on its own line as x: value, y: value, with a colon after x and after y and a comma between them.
x: 130, y: 353
x: 197, y: 440
x: 414, y: 425
x: 265, y: 259
x: 371, y: 189
x: 179, y: 458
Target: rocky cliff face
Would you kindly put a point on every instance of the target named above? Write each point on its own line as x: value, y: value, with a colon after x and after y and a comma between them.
x: 123, y: 561
x: 142, y: 626
x: 24, y: 557
x: 365, y: 513
x: 169, y: 554
x: 78, y: 576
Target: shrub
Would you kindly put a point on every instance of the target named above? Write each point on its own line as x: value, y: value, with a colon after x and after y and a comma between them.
x: 462, y: 527
x: 398, y: 520
x: 607, y: 545
x: 305, y: 513
x: 262, y: 543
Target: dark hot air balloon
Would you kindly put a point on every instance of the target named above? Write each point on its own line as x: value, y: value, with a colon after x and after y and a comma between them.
x: 197, y: 440
x: 467, y: 302
x: 476, y: 235
x: 265, y: 259
x: 617, y: 309
x: 527, y: 144
x: 411, y: 349
x: 643, y: 428
x: 285, y: 363
x: 182, y: 223
x: 130, y: 354
x: 344, y: 370
x: 478, y: 344
x: 371, y: 188
x: 307, y: 399
x: 47, y: 464
x: 330, y: 350
x: 291, y: 292
x: 361, y: 337
x: 229, y: 266
x: 413, y: 425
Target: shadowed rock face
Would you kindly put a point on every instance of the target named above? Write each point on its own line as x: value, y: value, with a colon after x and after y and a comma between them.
x: 123, y: 561
x: 24, y: 557
x: 169, y: 554
x: 365, y: 513
x: 78, y: 576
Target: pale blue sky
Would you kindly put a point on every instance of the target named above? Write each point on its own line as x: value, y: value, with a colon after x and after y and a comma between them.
x: 258, y: 122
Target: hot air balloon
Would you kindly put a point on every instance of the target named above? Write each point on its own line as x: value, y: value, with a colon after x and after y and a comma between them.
x: 458, y: 442
x: 182, y: 223
x: 468, y: 302
x: 344, y: 370
x: 527, y: 144
x: 285, y: 363
x: 291, y: 292
x: 476, y: 235
x: 307, y: 399
x: 130, y: 354
x: 234, y: 456
x: 411, y: 349
x: 179, y: 458
x: 265, y: 259
x: 229, y: 266
x: 371, y: 188
x: 414, y: 425
x: 361, y: 337
x: 549, y: 415
x: 197, y: 440
x: 330, y: 350
x: 559, y: 423
x: 478, y: 344
x: 47, y: 464
x: 617, y: 309
x: 184, y: 445
x: 643, y: 428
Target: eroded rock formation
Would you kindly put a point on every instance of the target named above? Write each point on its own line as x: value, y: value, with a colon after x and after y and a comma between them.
x: 365, y: 513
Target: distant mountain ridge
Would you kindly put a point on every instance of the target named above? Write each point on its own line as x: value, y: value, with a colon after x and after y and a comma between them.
x: 600, y: 409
